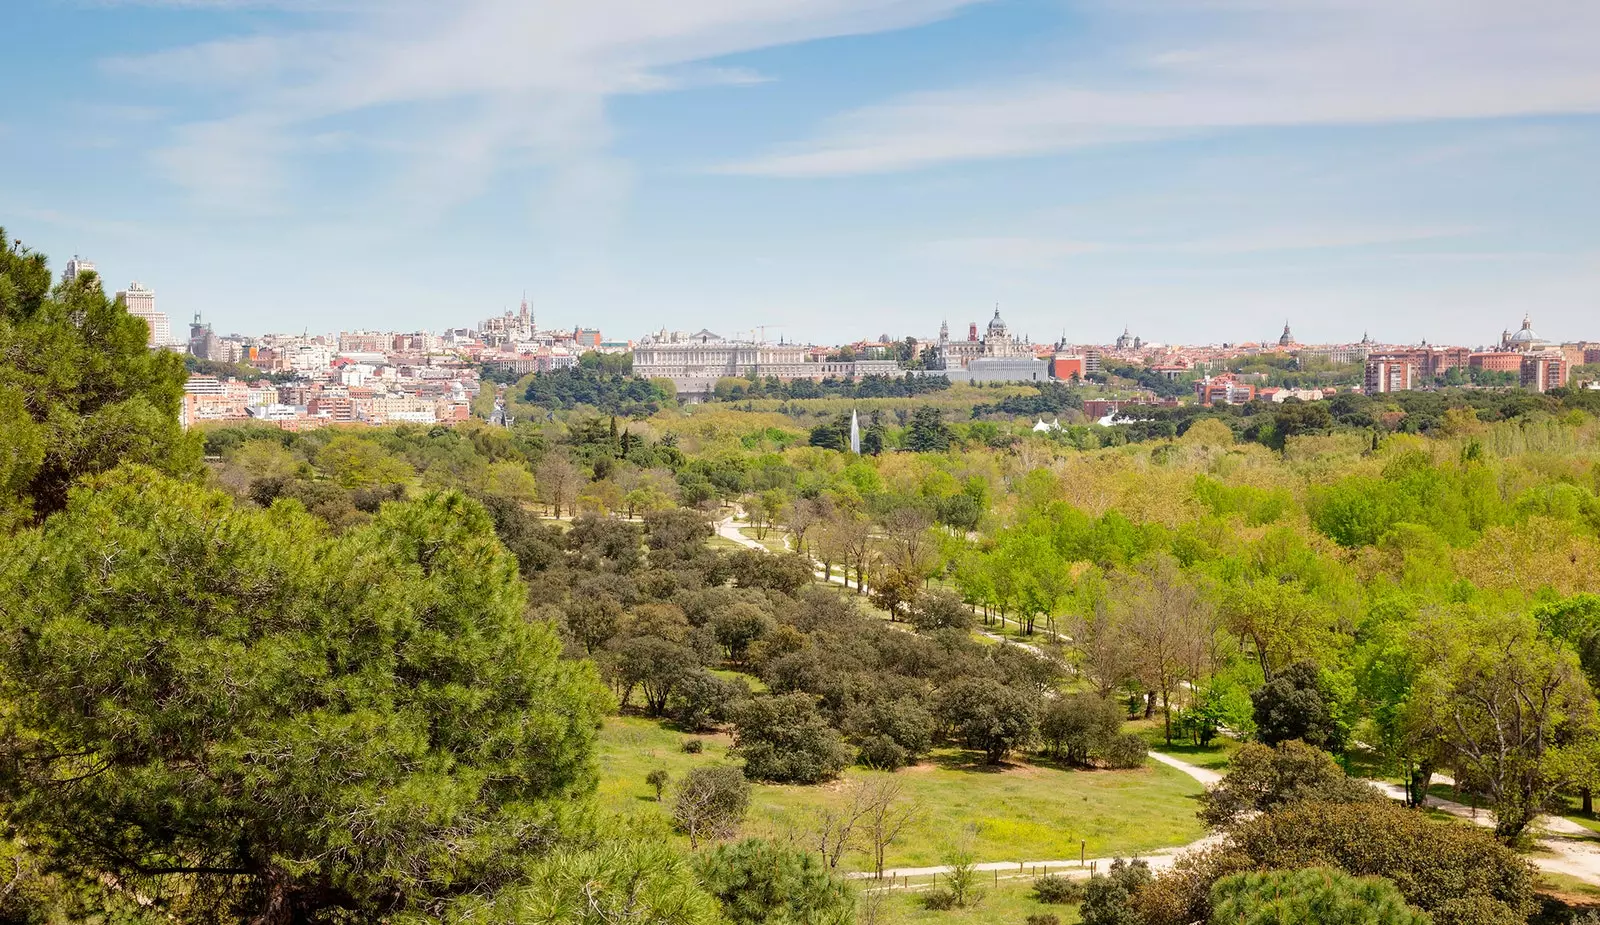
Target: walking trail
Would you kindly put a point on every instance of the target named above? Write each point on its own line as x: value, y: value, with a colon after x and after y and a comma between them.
x: 1565, y: 847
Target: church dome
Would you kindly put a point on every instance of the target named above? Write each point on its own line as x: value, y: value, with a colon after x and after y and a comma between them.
x: 997, y: 327
x: 1526, y: 335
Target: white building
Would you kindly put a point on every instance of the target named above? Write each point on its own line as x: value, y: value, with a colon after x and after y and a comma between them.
x: 76, y: 266
x: 695, y: 362
x: 141, y: 303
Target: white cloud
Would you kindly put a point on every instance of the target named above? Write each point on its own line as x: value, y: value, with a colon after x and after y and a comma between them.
x: 1255, y: 64
x: 513, y: 72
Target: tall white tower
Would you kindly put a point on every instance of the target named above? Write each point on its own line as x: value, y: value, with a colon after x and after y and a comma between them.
x: 75, y: 266
x: 141, y: 303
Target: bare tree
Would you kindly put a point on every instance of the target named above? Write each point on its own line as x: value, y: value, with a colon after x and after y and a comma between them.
x: 910, y: 546
x: 711, y: 802
x: 1172, y: 620
x: 856, y: 541
x: 558, y: 481
x: 887, y: 816
x: 805, y: 514
x: 835, y: 829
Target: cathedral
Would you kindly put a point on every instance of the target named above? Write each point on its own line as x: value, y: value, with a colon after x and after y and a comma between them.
x: 996, y: 343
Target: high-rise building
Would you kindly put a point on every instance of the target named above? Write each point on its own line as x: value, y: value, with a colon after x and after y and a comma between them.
x: 141, y: 303
x: 76, y: 266
x: 1390, y: 374
x: 1544, y: 370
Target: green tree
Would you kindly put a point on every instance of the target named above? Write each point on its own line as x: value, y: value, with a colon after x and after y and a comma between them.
x: 1077, y: 727
x: 1260, y: 778
x: 291, y: 722
x: 759, y: 882
x: 357, y: 462
x: 989, y: 716
x: 783, y: 738
x: 1294, y: 705
x: 1108, y: 897
x: 927, y: 433
x: 1510, y: 708
x: 1316, y: 894
x: 79, y: 391
x: 639, y: 879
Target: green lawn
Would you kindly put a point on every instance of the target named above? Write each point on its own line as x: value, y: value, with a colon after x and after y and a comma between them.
x: 1009, y: 903
x: 1023, y: 812
x: 772, y: 542
x: 1214, y: 756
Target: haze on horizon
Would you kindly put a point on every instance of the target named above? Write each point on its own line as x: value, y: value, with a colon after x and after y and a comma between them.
x: 1196, y: 170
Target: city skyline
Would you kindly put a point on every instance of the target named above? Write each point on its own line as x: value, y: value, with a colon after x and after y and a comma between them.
x: 1195, y: 171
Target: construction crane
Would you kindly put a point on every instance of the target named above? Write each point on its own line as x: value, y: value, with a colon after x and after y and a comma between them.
x: 763, y: 331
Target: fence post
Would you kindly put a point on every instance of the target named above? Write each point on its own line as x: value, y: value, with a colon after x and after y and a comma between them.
x: 1083, y: 849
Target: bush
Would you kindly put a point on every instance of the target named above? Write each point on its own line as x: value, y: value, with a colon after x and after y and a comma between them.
x: 1077, y: 727
x: 693, y: 746
x: 1055, y: 889
x: 760, y: 882
x: 989, y: 716
x: 882, y: 753
x: 1260, y: 778
x: 1126, y: 751
x: 1108, y: 897
x: 1044, y: 918
x: 939, y: 900
x: 1317, y: 894
x: 1457, y: 873
x: 711, y: 802
x: 1295, y: 705
x: 783, y: 738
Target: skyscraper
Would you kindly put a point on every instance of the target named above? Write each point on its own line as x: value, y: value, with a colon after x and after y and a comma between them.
x: 141, y: 303
x: 75, y: 266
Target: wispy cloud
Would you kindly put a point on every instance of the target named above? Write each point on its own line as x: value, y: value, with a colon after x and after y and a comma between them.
x: 512, y: 72
x: 1254, y: 64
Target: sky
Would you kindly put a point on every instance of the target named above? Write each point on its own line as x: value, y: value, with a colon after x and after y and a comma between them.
x: 1194, y: 171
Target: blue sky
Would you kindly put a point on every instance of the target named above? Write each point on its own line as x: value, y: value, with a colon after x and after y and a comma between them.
x: 1197, y: 170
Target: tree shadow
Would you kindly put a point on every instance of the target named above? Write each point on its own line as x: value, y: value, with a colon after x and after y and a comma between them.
x: 969, y: 761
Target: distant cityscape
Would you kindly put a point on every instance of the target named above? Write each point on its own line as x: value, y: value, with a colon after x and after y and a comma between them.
x: 305, y: 380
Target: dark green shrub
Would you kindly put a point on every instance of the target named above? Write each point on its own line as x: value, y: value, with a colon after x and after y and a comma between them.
x: 1055, y: 889
x: 1127, y: 750
x: 882, y: 753
x: 1044, y: 918
x: 693, y: 746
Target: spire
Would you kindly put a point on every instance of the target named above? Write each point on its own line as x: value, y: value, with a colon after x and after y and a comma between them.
x: 855, y: 433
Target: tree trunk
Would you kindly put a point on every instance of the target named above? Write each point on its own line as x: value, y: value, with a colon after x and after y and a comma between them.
x: 1588, y: 801
x: 1150, y: 705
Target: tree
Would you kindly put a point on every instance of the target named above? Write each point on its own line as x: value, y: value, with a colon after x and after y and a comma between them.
x: 1316, y: 894
x: 80, y: 393
x: 927, y: 433
x: 1293, y: 706
x: 1260, y: 778
x: 658, y: 667
x: 783, y: 738
x: 196, y: 689
x: 1512, y: 710
x: 760, y: 882
x: 1077, y: 727
x: 785, y: 573
x: 711, y: 802
x: 658, y: 779
x: 939, y: 610
x: 1172, y: 620
x: 738, y: 626
x: 356, y: 462
x: 641, y: 880
x: 989, y: 716
x: 558, y: 482
x: 888, y: 815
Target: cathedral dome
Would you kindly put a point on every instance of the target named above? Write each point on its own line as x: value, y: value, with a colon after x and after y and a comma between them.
x: 997, y: 327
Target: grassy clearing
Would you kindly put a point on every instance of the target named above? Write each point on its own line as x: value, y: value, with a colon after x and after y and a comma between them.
x: 1022, y: 812
x: 1569, y: 889
x: 1214, y: 757
x: 772, y: 542
x: 1011, y: 902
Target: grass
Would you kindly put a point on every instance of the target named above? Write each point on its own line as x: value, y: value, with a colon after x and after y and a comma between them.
x: 1022, y: 812
x: 772, y: 542
x: 1011, y: 902
x: 1213, y: 757
x: 1569, y: 889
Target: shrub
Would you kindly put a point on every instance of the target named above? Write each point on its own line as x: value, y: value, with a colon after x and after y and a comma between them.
x: 1077, y: 727
x: 1260, y: 778
x: 1127, y: 750
x: 1056, y: 890
x: 760, y: 882
x: 1295, y: 705
x: 883, y: 753
x: 781, y: 737
x: 1108, y: 897
x: 1317, y: 894
x: 1457, y: 873
x: 693, y: 746
x: 711, y: 802
x: 939, y: 900
x: 990, y: 716
x: 657, y: 779
x: 1044, y: 918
